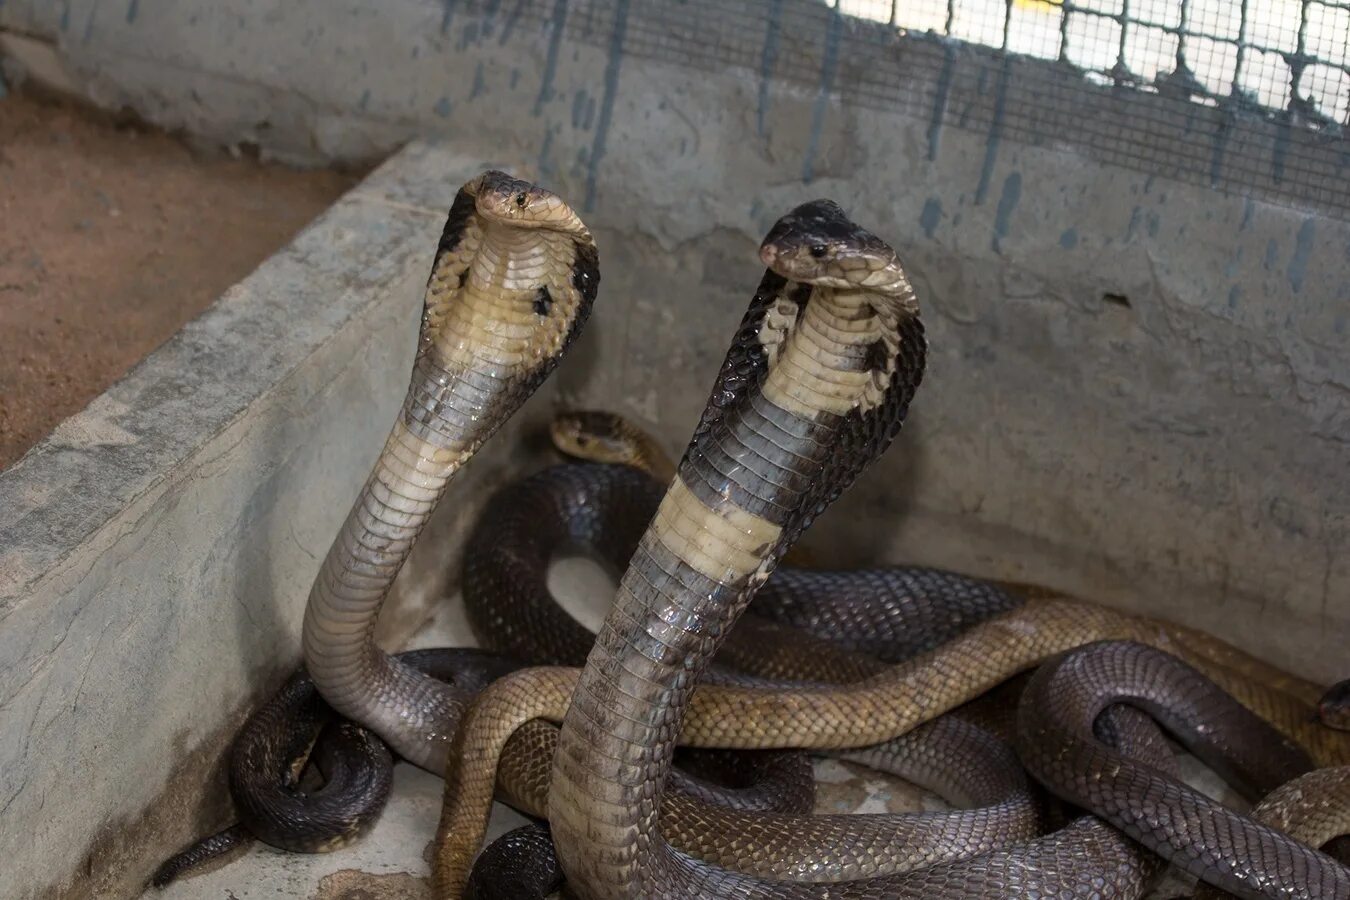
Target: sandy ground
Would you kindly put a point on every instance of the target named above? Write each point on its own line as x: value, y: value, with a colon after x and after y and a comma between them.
x: 111, y: 237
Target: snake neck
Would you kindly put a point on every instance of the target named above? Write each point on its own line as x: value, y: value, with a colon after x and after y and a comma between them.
x: 482, y: 351
x: 715, y: 538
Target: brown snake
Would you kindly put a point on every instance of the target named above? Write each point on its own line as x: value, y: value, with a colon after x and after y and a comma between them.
x: 513, y: 281
x: 813, y: 389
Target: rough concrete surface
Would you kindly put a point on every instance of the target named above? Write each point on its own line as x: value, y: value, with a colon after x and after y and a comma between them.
x: 166, y: 537
x: 112, y: 236
x: 1139, y: 388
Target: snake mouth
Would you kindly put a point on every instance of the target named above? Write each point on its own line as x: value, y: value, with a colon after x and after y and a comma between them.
x: 500, y: 197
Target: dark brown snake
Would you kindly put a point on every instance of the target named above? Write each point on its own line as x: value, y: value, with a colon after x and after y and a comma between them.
x: 814, y: 388
x: 513, y: 280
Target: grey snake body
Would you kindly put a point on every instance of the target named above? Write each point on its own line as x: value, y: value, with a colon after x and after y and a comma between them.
x: 767, y: 457
x: 815, y: 387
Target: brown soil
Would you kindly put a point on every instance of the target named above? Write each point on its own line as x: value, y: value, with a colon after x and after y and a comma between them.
x: 111, y: 237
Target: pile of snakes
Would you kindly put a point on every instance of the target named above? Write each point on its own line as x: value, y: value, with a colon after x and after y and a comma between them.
x: 670, y: 754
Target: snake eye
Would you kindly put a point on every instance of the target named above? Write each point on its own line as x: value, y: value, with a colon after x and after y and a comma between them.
x: 818, y: 250
x: 521, y: 200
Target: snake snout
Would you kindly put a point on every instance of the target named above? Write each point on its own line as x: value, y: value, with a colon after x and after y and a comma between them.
x: 504, y: 198
x: 1334, y: 708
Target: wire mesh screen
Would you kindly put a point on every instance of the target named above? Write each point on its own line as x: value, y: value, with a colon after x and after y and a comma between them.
x: 1291, y: 56
x: 1245, y: 96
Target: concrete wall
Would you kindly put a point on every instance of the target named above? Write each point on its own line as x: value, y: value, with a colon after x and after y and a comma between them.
x: 1139, y: 387
x: 157, y: 549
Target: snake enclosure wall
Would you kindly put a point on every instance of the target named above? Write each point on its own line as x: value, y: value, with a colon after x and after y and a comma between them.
x: 1138, y: 387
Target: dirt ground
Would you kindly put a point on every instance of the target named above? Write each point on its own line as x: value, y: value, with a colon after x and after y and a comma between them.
x: 112, y: 237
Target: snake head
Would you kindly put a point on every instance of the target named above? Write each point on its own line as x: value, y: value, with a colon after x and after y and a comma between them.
x: 502, y: 198
x: 1334, y: 708
x: 593, y: 435
x: 818, y: 244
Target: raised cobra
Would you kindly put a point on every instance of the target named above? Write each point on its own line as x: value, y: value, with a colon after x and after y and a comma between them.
x: 513, y: 280
x: 623, y: 708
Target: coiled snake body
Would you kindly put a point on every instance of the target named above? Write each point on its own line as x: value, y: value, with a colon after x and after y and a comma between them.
x: 815, y: 387
x: 605, y: 800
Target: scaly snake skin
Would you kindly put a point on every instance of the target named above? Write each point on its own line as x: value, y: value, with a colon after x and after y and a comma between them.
x: 701, y: 549
x: 1200, y: 835
x: 513, y: 281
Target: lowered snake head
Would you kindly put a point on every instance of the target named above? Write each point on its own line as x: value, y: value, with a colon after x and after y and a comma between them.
x: 1334, y: 709
x: 593, y: 435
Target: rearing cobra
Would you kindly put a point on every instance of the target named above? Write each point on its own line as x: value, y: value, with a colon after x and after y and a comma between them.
x: 514, y: 278
x: 814, y: 387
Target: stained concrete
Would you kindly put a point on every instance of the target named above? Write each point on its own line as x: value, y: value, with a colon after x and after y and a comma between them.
x: 157, y: 549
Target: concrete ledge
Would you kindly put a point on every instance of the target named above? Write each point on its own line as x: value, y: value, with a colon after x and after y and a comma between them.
x: 156, y: 550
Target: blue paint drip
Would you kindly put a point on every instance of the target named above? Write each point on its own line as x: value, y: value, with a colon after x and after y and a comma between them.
x: 1272, y: 255
x: 509, y: 28
x: 133, y: 9
x: 551, y: 60
x: 1136, y: 216
x: 65, y: 16
x: 1007, y: 202
x: 442, y: 107
x: 1298, y: 263
x: 365, y: 99
x: 545, y: 164
x: 1234, y: 293
x: 827, y: 67
x: 931, y: 216
x: 1247, y: 208
x: 89, y: 24
x: 479, y: 83
x: 606, y: 101
x: 1217, y: 153
x: 583, y: 110
x: 943, y: 88
x: 468, y: 36
x: 490, y: 11
x: 1069, y: 239
x: 447, y: 14
x: 1151, y: 223
x: 767, y: 58
x: 1280, y: 150
x: 995, y: 135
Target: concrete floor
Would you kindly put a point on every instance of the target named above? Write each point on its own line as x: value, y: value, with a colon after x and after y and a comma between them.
x: 392, y: 863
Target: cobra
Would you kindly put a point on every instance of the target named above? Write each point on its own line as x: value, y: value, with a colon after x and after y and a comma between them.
x: 661, y: 633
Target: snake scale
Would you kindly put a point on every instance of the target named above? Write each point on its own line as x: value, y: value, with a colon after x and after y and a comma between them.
x: 730, y: 715
x: 815, y: 387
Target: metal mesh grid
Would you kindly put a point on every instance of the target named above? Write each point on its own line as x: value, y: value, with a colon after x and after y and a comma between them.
x: 1170, y: 88
x: 1290, y: 56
